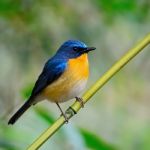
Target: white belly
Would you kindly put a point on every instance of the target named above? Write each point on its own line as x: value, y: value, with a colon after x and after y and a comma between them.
x: 75, y: 91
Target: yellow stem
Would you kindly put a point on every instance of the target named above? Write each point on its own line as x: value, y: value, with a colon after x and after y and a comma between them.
x: 74, y: 108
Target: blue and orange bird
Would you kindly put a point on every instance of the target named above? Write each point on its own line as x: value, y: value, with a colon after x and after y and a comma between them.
x: 63, y: 78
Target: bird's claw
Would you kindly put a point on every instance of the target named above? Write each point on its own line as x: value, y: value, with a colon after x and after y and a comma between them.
x: 80, y: 100
x: 65, y: 117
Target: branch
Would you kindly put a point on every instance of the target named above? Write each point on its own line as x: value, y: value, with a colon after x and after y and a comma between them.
x: 75, y: 107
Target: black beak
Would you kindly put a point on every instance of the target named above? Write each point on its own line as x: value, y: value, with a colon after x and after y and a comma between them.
x: 88, y: 49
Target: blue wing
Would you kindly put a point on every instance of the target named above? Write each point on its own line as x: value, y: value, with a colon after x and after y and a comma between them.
x: 51, y: 72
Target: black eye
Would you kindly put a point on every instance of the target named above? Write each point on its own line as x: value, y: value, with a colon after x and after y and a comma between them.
x: 75, y: 48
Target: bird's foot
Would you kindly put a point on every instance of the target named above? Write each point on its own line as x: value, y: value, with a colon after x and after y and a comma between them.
x: 62, y: 113
x: 80, y: 100
x: 65, y: 117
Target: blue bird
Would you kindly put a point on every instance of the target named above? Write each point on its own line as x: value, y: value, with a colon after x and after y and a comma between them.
x: 64, y: 77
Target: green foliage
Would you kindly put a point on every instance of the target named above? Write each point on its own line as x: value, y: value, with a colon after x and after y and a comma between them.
x: 9, y: 7
x: 26, y: 91
x: 126, y: 8
x: 5, y: 145
x: 45, y: 115
x: 16, y: 9
x: 94, y: 142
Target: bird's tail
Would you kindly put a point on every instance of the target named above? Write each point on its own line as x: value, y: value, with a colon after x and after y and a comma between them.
x: 20, y: 112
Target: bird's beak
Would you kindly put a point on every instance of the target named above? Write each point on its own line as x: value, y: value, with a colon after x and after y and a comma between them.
x: 88, y: 49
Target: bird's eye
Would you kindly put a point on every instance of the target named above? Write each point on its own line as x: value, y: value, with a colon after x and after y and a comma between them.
x: 75, y: 48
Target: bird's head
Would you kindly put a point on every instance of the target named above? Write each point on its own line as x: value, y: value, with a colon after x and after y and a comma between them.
x: 74, y: 49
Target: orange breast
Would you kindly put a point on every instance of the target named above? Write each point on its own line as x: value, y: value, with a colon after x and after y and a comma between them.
x: 79, y: 66
x: 77, y: 72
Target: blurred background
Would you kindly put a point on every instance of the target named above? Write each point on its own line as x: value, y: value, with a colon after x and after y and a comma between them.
x: 118, y: 116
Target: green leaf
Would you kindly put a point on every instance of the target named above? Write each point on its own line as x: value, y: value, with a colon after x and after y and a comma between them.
x: 93, y: 142
x: 41, y: 112
x: 6, y: 145
x: 26, y: 91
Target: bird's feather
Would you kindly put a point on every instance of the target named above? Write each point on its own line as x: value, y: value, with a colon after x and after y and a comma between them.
x: 71, y: 83
x: 51, y: 72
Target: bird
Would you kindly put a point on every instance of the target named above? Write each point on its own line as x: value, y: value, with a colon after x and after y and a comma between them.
x: 64, y: 77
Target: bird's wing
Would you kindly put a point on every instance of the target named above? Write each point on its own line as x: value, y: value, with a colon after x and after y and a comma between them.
x: 52, y: 71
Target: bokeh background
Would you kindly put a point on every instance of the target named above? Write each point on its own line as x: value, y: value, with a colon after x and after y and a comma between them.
x: 118, y: 116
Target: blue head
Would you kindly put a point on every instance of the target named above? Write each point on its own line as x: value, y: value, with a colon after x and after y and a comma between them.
x: 73, y: 49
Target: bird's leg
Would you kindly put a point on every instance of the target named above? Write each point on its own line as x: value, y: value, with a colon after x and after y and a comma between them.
x: 80, y: 100
x: 62, y: 113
